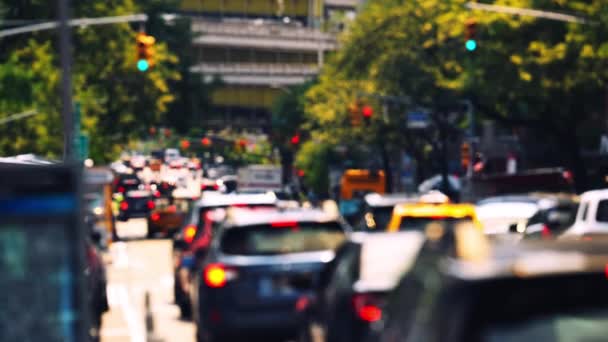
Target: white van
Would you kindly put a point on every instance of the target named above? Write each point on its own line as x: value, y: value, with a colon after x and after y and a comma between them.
x: 592, y: 214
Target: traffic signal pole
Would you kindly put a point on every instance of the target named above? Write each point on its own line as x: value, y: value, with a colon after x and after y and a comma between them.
x: 65, y: 57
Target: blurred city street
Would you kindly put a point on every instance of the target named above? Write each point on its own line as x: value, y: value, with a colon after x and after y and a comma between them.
x: 138, y: 267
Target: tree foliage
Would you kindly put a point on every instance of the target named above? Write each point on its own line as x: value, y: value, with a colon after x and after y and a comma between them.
x: 118, y: 103
x: 547, y: 76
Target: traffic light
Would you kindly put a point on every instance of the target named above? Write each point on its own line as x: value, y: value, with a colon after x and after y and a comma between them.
x: 185, y: 144
x: 295, y: 139
x: 465, y: 156
x: 206, y: 142
x: 354, y: 114
x: 367, y: 111
x: 145, y: 51
x: 470, y: 34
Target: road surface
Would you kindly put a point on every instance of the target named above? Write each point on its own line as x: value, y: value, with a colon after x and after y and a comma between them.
x: 136, y: 267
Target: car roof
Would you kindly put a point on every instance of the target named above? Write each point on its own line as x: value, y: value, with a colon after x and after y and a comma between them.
x: 595, y: 194
x: 213, y: 199
x: 389, y: 200
x: 428, y: 209
x: 240, y: 217
x: 528, y: 259
x: 385, y: 257
x: 534, y: 197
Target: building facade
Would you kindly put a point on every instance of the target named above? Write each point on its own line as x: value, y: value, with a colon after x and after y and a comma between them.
x: 256, y: 49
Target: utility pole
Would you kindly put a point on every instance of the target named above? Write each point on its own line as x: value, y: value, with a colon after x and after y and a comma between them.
x: 65, y: 56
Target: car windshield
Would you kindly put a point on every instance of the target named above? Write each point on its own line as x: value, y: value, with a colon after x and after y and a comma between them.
x: 269, y: 240
x: 409, y: 223
x: 382, y: 216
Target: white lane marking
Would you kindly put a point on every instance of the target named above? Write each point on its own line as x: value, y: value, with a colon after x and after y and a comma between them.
x: 119, y: 299
x: 167, y: 281
x: 120, y: 255
x: 114, y: 332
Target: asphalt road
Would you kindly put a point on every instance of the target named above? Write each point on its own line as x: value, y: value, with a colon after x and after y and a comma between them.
x: 137, y: 267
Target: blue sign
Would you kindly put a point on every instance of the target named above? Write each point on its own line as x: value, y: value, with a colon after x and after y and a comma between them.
x: 418, y: 119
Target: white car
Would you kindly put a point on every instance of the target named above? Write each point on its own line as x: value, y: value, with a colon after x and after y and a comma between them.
x: 592, y: 214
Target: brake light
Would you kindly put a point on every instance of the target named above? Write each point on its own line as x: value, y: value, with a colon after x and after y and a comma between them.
x: 189, y: 233
x: 151, y: 205
x: 216, y: 187
x: 124, y: 206
x: 545, y: 232
x: 284, y: 224
x: 155, y: 217
x: 367, y: 308
x: 217, y: 275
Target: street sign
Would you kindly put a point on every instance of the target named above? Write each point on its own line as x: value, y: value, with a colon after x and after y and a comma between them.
x: 42, y: 255
x: 418, y: 120
x: 83, y: 147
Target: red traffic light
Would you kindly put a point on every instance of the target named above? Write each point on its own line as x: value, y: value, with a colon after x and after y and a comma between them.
x: 367, y: 111
x: 206, y: 142
x: 295, y: 140
x: 185, y: 144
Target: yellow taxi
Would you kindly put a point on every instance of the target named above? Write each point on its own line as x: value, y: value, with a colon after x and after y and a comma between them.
x: 432, y: 207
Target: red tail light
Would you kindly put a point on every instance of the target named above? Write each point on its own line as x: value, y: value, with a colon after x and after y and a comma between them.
x: 217, y: 275
x: 156, y: 193
x: 189, y: 233
x: 151, y: 205
x: 546, y: 232
x: 124, y: 206
x: 121, y: 189
x: 284, y: 224
x: 155, y: 217
x: 367, y: 308
x: 216, y: 187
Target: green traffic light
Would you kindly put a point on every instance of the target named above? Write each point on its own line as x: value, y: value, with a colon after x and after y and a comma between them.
x: 471, y: 45
x: 142, y: 65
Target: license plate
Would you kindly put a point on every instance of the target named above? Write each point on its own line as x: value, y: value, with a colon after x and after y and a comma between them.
x: 265, y: 287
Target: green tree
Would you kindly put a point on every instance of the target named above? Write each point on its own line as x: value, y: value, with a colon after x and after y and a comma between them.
x: 548, y: 76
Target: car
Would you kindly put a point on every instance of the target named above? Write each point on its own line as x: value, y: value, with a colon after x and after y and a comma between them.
x: 530, y: 291
x: 171, y: 154
x: 95, y: 274
x: 168, y: 215
x: 354, y: 287
x: 194, y: 229
x: 194, y: 164
x: 137, y: 203
x: 592, y: 214
x: 124, y: 182
x: 555, y: 215
x: 261, y: 266
x: 377, y: 210
x: 138, y: 163
x: 433, y: 207
x: 209, y: 185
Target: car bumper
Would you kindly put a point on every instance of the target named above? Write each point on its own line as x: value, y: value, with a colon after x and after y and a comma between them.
x: 258, y: 323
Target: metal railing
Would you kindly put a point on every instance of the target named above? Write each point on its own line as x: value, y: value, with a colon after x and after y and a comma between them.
x: 265, y: 30
x: 256, y: 69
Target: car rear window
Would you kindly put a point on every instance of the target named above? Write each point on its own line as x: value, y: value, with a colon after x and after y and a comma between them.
x: 382, y: 216
x: 273, y: 240
x: 602, y: 211
x: 420, y: 223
